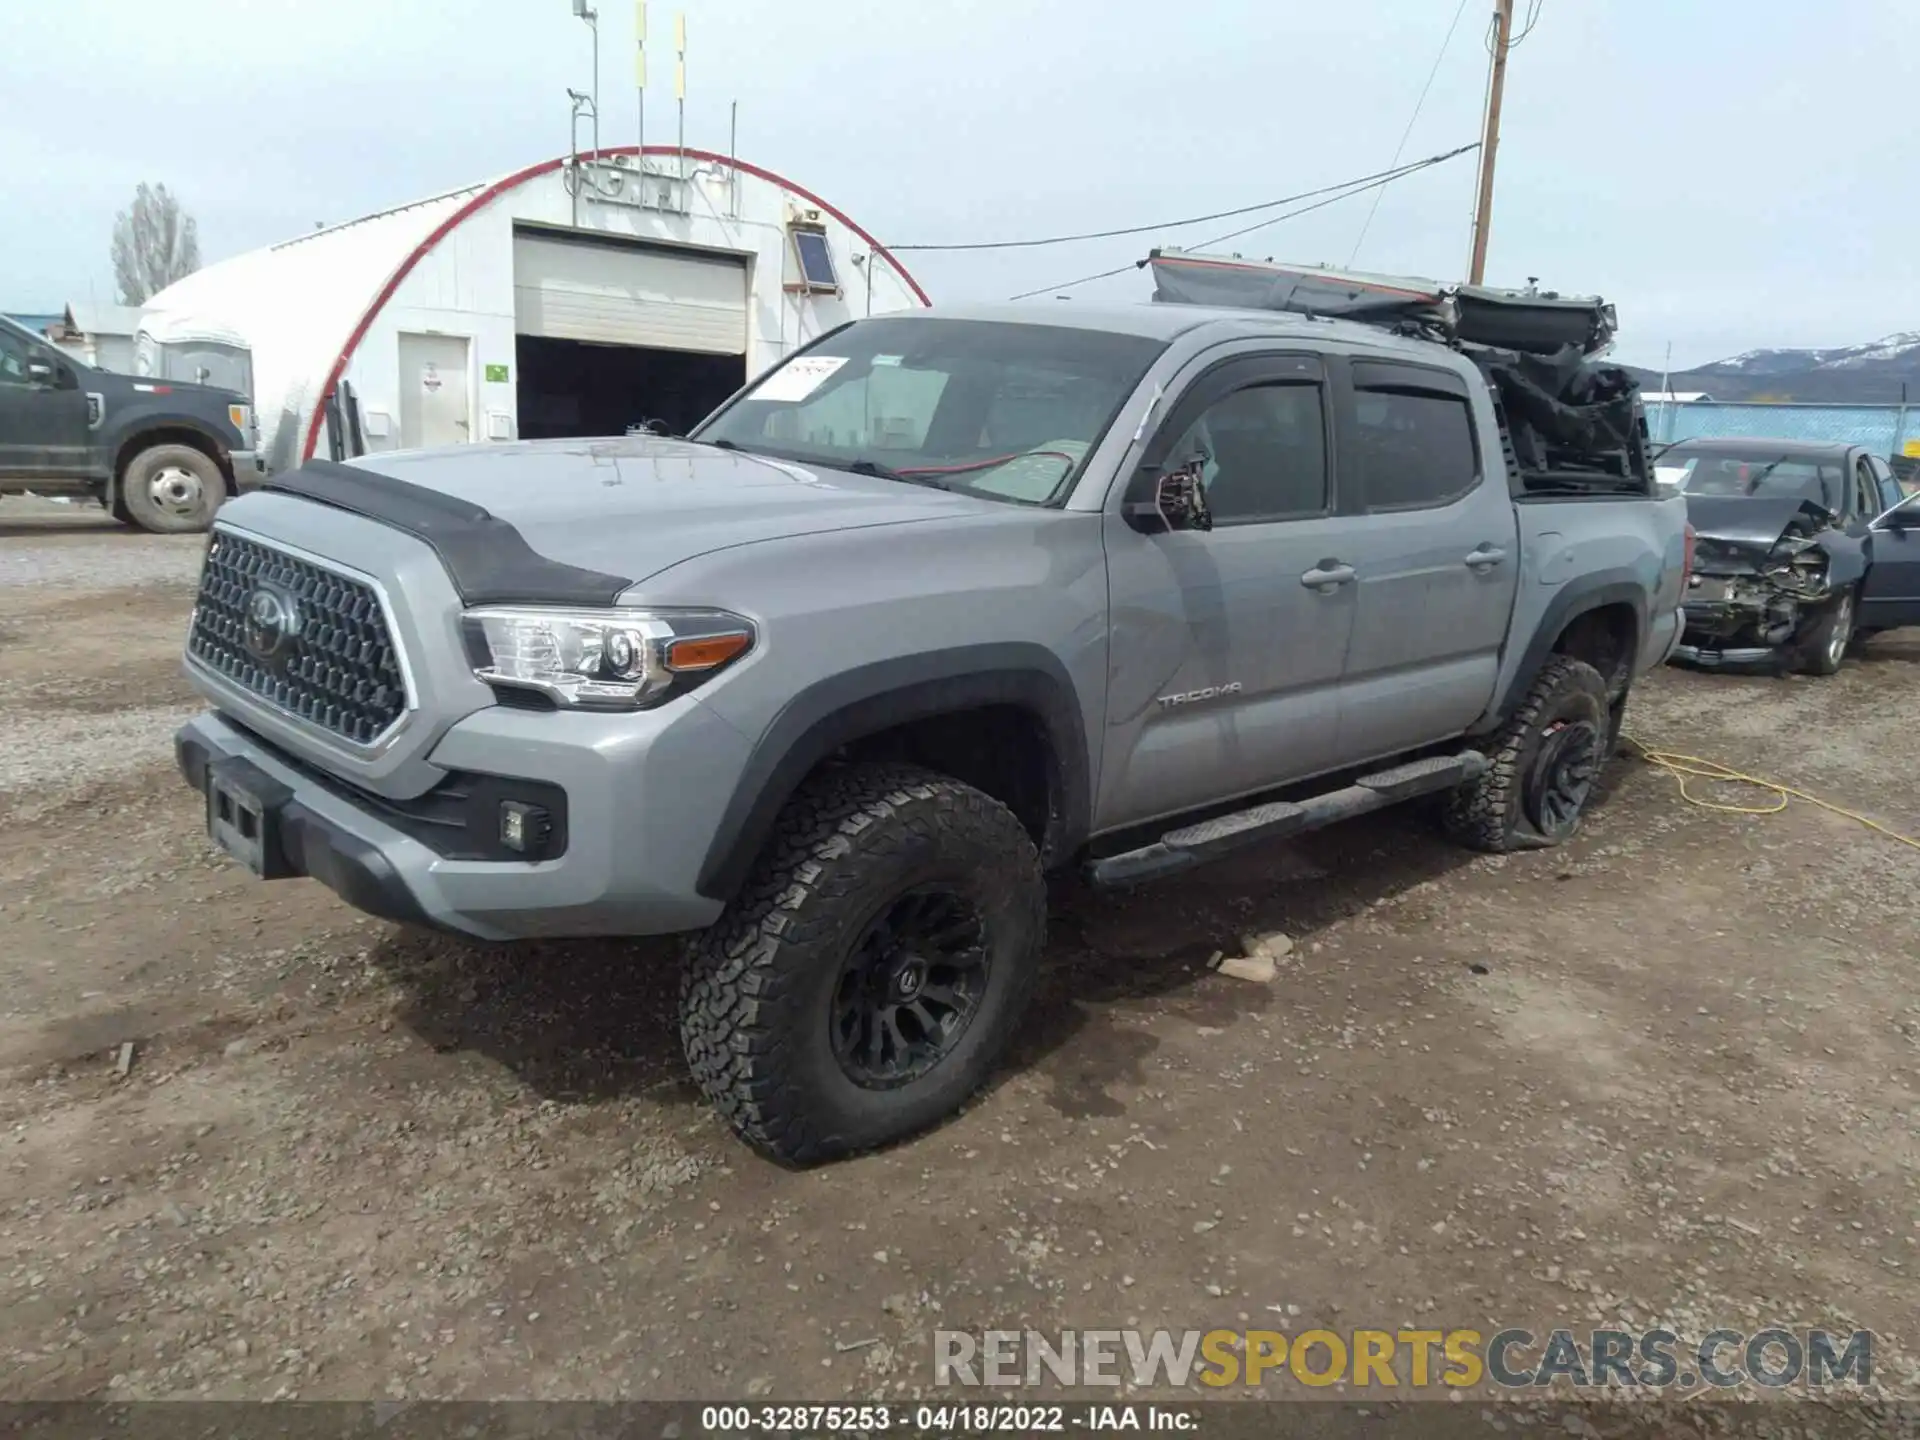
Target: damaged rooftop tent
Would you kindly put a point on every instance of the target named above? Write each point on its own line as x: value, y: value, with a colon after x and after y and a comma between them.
x: 1574, y: 424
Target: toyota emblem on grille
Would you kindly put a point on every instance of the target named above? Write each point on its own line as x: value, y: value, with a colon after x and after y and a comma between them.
x: 272, y: 623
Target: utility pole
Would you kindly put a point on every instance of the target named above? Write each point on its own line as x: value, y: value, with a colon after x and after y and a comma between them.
x: 1490, y: 140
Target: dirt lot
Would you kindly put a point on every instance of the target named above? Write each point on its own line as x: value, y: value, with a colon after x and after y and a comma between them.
x: 1669, y: 1073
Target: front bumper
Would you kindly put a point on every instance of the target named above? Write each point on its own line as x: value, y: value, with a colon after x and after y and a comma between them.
x: 1711, y: 659
x: 642, y: 800
x: 249, y: 468
x: 1737, y: 620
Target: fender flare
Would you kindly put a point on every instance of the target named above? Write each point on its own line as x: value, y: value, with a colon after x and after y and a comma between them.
x: 1576, y: 598
x: 873, y: 698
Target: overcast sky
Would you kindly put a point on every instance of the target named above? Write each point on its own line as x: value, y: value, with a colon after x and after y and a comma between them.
x: 1732, y: 173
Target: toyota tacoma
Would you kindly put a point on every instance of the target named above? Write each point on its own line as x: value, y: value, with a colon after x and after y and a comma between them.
x: 940, y: 604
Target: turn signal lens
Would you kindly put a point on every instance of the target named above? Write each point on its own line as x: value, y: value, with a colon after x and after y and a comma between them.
x: 706, y: 651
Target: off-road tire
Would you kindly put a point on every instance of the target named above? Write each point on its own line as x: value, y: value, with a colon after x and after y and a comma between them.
x: 757, y: 988
x: 1823, y: 648
x: 135, y: 498
x: 1491, y: 813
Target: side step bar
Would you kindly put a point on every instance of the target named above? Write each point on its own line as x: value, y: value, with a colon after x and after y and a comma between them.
x: 1179, y: 849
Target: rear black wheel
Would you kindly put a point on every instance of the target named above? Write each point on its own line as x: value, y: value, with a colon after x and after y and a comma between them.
x: 872, y: 969
x: 1543, y: 765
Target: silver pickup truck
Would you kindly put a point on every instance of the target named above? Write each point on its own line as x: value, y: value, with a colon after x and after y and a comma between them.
x: 944, y: 602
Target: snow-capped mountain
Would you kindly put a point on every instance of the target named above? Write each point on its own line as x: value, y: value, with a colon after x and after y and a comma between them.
x: 1870, y: 374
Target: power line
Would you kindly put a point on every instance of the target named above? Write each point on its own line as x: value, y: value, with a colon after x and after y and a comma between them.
x: 1388, y: 174
x: 1407, y: 133
x: 1348, y: 190
x: 1083, y: 280
x: 1533, y: 19
x: 1386, y: 177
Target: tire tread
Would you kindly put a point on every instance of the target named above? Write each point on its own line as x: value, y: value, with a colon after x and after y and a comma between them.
x: 742, y: 971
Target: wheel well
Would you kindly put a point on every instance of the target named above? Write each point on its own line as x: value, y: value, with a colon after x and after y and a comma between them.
x: 1001, y: 750
x: 1606, y: 637
x: 171, y: 435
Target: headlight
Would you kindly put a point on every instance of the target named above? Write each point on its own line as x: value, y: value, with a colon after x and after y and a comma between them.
x: 241, y: 416
x: 613, y: 659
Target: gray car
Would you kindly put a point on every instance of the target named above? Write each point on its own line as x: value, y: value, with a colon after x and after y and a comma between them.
x: 941, y: 604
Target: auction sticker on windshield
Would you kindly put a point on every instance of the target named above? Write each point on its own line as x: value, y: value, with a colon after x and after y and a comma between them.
x: 799, y: 377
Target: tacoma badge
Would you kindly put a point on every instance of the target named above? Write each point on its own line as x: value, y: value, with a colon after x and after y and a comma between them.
x: 1194, y: 697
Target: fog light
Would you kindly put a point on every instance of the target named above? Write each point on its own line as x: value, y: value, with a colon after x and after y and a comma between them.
x: 525, y: 828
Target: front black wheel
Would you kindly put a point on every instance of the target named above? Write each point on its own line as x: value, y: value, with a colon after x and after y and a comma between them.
x: 872, y: 969
x: 171, y: 490
x: 1823, y: 649
x: 1543, y: 765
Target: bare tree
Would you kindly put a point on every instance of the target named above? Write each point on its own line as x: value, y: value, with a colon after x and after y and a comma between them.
x: 154, y: 244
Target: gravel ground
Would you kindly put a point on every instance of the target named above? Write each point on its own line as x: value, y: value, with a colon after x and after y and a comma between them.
x: 1666, y: 1073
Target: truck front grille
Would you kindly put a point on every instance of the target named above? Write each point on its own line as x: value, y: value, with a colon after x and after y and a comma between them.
x: 302, y: 638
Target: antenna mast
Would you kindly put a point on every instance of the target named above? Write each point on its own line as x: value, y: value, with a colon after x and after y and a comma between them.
x: 640, y: 79
x: 680, y: 83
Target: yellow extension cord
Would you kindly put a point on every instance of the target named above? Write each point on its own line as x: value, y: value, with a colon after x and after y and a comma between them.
x: 1691, y: 767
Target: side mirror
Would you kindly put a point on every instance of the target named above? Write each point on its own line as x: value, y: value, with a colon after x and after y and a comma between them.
x: 1176, y: 500
x: 1904, y: 516
x: 40, y: 372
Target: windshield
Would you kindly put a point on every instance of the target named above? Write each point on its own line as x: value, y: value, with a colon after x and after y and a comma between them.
x: 1753, y: 473
x: 1000, y: 410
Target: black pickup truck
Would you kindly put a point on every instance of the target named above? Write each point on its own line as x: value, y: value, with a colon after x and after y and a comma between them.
x: 157, y: 453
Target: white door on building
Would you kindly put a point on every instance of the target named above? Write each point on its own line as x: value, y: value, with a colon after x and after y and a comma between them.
x: 435, y: 391
x: 620, y: 293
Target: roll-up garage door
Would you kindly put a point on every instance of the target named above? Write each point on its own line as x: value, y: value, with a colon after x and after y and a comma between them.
x: 615, y: 294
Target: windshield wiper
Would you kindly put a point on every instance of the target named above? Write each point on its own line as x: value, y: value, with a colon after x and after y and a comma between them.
x: 887, y: 472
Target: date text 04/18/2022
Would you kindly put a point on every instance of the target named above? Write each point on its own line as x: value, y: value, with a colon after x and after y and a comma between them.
x: 945, y: 1419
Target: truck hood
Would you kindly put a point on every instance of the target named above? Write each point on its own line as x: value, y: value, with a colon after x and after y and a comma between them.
x: 1737, y: 532
x: 634, y: 505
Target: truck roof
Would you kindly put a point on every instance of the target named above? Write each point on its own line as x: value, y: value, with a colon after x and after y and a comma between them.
x: 1169, y: 322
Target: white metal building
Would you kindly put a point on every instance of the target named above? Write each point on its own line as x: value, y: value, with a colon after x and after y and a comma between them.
x: 575, y: 297
x: 98, y: 335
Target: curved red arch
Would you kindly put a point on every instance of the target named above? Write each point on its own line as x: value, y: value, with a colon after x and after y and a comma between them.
x: 514, y: 181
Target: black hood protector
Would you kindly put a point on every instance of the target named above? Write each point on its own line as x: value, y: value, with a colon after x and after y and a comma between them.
x: 489, y: 562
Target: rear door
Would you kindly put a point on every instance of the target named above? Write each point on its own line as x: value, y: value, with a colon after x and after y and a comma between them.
x: 1890, y: 596
x: 1225, y: 657
x: 1436, y: 552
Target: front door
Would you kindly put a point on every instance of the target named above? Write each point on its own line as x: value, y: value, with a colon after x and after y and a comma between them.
x: 1891, y: 595
x: 1226, y: 653
x: 43, y: 412
x: 1437, y: 556
x: 435, y: 391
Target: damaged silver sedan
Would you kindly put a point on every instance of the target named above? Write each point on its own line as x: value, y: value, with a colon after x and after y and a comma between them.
x: 1785, y: 539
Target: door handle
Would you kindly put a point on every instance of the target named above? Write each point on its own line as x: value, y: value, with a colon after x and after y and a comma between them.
x: 1486, y: 557
x: 1327, y: 576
